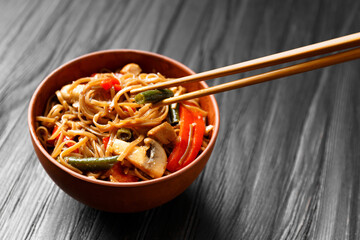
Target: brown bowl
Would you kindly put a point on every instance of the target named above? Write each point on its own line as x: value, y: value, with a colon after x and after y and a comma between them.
x: 109, y: 196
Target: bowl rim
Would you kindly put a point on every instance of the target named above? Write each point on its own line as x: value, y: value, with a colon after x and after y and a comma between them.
x: 31, y: 124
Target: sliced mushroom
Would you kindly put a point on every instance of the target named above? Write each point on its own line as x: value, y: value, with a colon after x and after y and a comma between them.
x: 131, y: 68
x: 157, y: 160
x: 154, y: 165
x: 164, y: 133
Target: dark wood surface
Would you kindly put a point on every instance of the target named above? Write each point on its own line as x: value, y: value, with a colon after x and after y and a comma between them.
x: 287, y: 160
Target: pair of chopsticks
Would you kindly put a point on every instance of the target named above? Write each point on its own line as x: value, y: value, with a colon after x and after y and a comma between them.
x: 350, y: 43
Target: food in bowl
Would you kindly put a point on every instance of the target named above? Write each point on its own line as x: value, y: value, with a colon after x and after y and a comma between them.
x: 96, y: 127
x: 119, y: 196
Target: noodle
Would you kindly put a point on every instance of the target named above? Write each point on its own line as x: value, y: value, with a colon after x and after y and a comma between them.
x: 83, y: 121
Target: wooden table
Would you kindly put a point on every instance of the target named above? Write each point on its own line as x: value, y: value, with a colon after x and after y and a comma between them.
x: 287, y: 160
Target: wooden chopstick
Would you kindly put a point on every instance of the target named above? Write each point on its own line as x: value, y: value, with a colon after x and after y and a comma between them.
x: 336, y: 44
x: 268, y: 76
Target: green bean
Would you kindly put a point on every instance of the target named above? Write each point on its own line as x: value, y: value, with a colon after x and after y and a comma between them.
x: 93, y: 163
x: 124, y: 134
x: 174, y: 116
x: 152, y: 96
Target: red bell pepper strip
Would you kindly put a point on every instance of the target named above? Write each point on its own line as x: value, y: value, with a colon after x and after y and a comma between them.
x: 186, y: 118
x: 108, y: 83
x: 53, y: 141
x: 125, y: 109
x: 197, y: 138
x: 117, y: 87
x: 118, y: 173
x: 70, y: 144
x: 66, y: 138
x: 106, y: 141
x: 177, y: 160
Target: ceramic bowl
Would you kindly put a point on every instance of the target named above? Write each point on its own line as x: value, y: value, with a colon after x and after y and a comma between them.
x: 109, y: 196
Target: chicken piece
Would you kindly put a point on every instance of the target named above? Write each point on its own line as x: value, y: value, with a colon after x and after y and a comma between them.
x: 72, y: 95
x: 163, y: 133
x: 131, y: 68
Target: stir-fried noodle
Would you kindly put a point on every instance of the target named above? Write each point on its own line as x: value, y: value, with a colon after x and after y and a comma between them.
x: 96, y: 117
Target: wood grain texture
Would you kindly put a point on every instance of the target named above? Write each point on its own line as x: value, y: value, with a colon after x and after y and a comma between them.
x: 287, y: 160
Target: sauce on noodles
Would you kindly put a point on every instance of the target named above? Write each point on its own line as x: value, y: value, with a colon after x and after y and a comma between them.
x: 95, y: 127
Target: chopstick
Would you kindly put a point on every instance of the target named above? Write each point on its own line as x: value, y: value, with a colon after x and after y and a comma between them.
x: 268, y: 76
x: 336, y: 44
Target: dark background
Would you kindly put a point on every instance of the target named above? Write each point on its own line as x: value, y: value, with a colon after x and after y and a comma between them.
x: 286, y: 163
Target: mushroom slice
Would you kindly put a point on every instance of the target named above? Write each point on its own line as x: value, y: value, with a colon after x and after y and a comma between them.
x: 119, y: 146
x: 154, y: 165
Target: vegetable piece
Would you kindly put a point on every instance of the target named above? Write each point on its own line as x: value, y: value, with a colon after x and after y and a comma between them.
x: 186, y: 118
x: 125, y: 109
x: 66, y: 138
x: 163, y: 133
x: 189, y: 146
x: 197, y: 138
x: 119, y: 146
x: 93, y: 163
x: 174, y: 116
x: 117, y: 87
x: 68, y: 144
x: 118, y: 174
x: 116, y: 84
x: 152, y: 96
x: 53, y: 141
x: 153, y: 165
x: 108, y: 83
x: 124, y: 134
x: 106, y: 141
